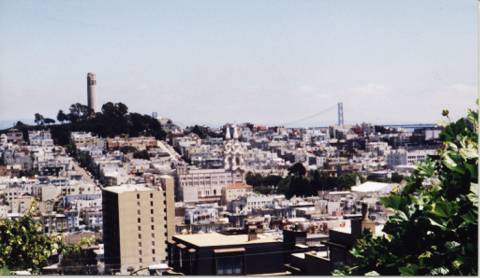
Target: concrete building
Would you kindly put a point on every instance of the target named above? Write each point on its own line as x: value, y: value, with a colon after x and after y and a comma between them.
x: 40, y: 138
x: 396, y: 157
x: 411, y: 157
x: 223, y: 254
x: 136, y: 223
x: 140, y: 142
x: 91, y: 85
x: 202, y: 185
x: 234, y: 191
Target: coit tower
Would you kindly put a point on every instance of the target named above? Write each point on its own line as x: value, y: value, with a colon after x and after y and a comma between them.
x: 91, y: 83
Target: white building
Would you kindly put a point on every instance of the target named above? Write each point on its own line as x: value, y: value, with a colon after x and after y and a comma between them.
x: 196, y: 185
x: 234, y: 191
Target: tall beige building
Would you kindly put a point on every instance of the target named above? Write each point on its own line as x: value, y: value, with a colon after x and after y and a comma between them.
x: 137, y: 222
x: 91, y: 85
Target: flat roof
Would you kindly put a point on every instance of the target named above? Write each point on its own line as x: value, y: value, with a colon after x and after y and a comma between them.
x: 217, y: 239
x: 371, y: 186
x: 127, y: 188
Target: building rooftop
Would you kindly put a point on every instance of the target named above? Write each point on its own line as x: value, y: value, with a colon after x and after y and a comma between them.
x: 127, y: 188
x: 217, y: 239
x: 238, y: 185
x: 371, y: 186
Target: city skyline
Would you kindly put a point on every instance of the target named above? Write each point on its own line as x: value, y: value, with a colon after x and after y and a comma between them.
x: 266, y: 62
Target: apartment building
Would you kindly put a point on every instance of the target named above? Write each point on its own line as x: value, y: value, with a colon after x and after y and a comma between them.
x: 136, y: 225
x: 203, y: 185
x: 234, y: 191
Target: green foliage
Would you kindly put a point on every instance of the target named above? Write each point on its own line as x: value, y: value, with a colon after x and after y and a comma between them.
x: 24, y: 246
x: 299, y: 182
x: 113, y: 120
x: 78, y: 258
x: 297, y: 170
x: 39, y: 120
x: 4, y: 271
x: 263, y: 184
x: 434, y: 227
x: 203, y: 131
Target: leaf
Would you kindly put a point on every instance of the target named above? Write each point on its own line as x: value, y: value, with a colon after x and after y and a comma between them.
x: 439, y: 271
x: 408, y: 270
x: 470, y: 152
x: 442, y: 209
x: 392, y: 201
x: 372, y: 273
x: 424, y: 255
x: 451, y: 245
x: 451, y: 164
x: 457, y: 263
x: 436, y: 224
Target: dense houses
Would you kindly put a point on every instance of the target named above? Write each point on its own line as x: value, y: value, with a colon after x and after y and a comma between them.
x: 184, y: 206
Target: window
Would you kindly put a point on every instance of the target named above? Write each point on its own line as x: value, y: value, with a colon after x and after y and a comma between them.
x: 153, y: 251
x: 138, y: 203
x: 140, y: 252
x: 153, y: 234
x: 151, y: 203
x: 153, y: 259
x: 151, y: 211
x: 139, y: 228
x: 151, y: 219
x: 138, y: 220
x: 138, y: 211
x: 153, y: 243
x: 229, y: 265
x: 139, y: 244
x: 151, y: 195
x: 139, y: 236
x: 138, y: 196
x: 153, y: 227
x: 140, y: 260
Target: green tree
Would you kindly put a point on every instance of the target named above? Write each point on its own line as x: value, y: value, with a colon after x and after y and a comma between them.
x: 38, y: 119
x: 24, y: 246
x: 297, y: 169
x: 299, y: 184
x: 48, y: 121
x: 79, y: 112
x: 434, y: 226
x: 61, y: 116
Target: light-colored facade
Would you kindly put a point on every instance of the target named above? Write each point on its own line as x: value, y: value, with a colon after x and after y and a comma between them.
x: 140, y: 143
x: 202, y: 184
x: 137, y: 222
x: 234, y: 191
x: 404, y: 157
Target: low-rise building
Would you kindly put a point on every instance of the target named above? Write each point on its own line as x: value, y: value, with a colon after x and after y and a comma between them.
x: 235, y: 190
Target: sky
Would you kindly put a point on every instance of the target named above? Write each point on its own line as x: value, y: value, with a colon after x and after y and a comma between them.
x: 268, y: 62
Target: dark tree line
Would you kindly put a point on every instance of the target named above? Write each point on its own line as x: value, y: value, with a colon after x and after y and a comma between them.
x: 300, y: 182
x: 113, y: 120
x: 203, y: 131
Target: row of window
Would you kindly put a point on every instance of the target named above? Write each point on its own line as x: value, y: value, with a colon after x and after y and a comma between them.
x: 140, y: 235
x: 138, y: 195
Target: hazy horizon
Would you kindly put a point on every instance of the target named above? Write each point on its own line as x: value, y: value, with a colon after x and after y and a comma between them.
x: 266, y: 62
